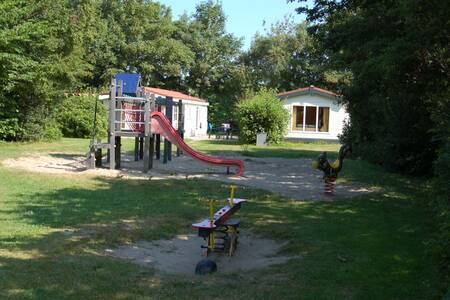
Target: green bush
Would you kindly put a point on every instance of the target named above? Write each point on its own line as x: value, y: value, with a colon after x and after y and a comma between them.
x: 76, y: 114
x: 9, y: 128
x: 440, y: 202
x: 51, y: 130
x: 262, y: 112
x: 39, y: 123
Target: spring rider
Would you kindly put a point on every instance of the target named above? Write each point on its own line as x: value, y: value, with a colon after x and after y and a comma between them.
x: 219, y: 231
x: 331, y: 171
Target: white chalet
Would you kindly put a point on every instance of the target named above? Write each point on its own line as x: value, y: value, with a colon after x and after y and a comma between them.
x: 315, y: 114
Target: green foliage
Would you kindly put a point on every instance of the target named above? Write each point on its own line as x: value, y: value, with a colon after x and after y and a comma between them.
x: 51, y: 131
x: 214, y: 49
x: 262, y: 112
x: 440, y: 202
x: 38, y: 60
x: 9, y: 120
x: 141, y: 40
x: 282, y: 59
x: 41, y: 125
x: 398, y: 56
x: 398, y: 93
x: 215, y: 55
x: 439, y: 241
x: 49, y: 48
x: 76, y: 114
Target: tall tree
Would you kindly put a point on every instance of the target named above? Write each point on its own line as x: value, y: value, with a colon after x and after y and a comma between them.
x: 398, y: 54
x: 98, y: 42
x: 39, y: 59
x: 142, y: 34
x: 283, y: 58
x: 215, y: 57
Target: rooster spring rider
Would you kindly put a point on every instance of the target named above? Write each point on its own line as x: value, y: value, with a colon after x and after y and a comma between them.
x: 330, y: 171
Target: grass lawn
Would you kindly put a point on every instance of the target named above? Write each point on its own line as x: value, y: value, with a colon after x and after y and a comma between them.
x: 369, y: 247
x: 284, y: 149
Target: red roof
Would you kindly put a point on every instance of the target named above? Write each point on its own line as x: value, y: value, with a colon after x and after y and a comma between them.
x: 173, y: 94
x: 308, y: 89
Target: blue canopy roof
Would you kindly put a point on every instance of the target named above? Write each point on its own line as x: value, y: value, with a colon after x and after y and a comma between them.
x: 130, y: 82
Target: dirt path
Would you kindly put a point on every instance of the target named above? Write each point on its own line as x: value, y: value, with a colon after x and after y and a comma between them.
x: 293, y: 178
x: 181, y: 254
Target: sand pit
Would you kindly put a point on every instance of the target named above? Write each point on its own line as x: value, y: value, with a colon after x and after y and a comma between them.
x: 181, y: 254
x: 56, y: 163
x: 292, y: 178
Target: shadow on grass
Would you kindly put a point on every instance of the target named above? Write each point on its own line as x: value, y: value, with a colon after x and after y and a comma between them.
x: 287, y: 153
x: 68, y: 156
x: 111, y: 199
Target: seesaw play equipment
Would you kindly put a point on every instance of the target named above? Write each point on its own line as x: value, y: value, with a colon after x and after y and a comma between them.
x: 331, y: 171
x: 219, y: 231
x: 135, y: 112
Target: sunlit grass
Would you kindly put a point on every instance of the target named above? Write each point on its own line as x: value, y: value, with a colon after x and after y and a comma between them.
x: 54, y: 230
x: 284, y: 149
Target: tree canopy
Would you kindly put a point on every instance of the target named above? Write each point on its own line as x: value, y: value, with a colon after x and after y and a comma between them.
x: 398, y: 56
x: 39, y: 58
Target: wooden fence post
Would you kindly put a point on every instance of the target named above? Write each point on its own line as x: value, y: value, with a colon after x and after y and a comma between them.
x: 146, y: 135
x: 112, y: 124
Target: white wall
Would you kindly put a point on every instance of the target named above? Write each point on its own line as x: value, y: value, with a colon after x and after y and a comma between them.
x: 337, y: 116
x: 195, y: 119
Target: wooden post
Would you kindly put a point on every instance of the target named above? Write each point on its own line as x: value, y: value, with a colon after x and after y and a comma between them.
x: 118, y: 126
x: 169, y: 114
x: 158, y: 140
x: 136, y: 148
x: 158, y: 146
x: 119, y: 105
x: 151, y: 107
x: 166, y: 142
x: 98, y: 157
x: 112, y: 123
x: 165, y: 154
x: 146, y: 135
x: 141, y: 147
x: 180, y: 124
x: 152, y: 103
x: 118, y: 147
x: 152, y: 148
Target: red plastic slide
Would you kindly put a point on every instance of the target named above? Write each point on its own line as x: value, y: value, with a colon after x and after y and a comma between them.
x: 161, y: 125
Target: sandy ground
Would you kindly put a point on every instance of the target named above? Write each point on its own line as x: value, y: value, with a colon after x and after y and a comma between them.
x: 293, y: 178
x: 181, y: 254
x: 289, y: 177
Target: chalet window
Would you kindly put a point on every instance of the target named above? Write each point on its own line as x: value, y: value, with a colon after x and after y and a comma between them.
x: 297, y: 123
x: 324, y: 118
x: 310, y: 118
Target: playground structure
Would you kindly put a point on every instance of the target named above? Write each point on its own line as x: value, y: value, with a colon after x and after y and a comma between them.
x: 133, y: 112
x: 219, y: 231
x: 331, y: 171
